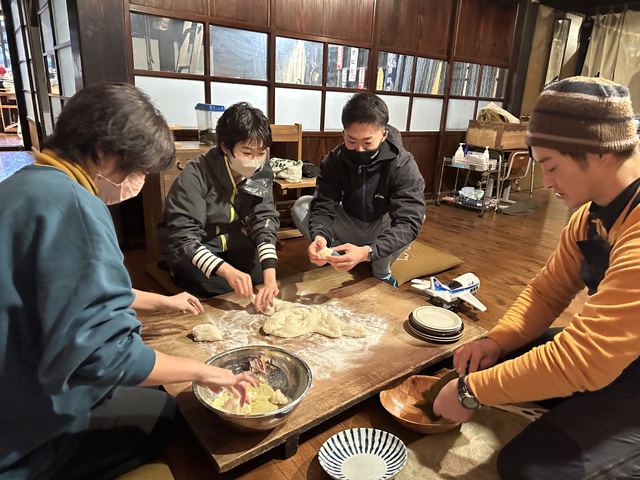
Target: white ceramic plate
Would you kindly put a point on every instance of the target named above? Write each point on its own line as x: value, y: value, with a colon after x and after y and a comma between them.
x: 435, y: 339
x: 362, y: 454
x: 436, y: 318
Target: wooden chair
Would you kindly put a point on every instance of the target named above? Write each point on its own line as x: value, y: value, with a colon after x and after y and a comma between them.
x: 518, y: 160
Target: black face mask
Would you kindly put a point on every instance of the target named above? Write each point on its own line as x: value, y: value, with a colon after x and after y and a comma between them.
x: 365, y: 157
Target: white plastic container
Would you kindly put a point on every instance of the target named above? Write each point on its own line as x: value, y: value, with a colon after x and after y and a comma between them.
x: 458, y: 158
x: 207, y: 116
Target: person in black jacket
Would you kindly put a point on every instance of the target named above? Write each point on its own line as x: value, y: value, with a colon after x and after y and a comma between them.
x: 219, y: 228
x: 369, y: 198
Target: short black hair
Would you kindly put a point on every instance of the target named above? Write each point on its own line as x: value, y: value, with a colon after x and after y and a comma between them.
x: 240, y: 123
x: 114, y: 119
x: 365, y: 108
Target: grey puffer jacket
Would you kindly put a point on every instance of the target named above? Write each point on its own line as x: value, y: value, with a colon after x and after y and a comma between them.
x: 206, y: 214
x: 390, y: 184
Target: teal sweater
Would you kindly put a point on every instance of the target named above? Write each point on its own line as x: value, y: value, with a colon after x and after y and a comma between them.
x: 68, y: 338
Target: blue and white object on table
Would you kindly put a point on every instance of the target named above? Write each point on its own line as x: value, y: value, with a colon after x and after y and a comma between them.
x: 363, y: 454
x: 463, y: 288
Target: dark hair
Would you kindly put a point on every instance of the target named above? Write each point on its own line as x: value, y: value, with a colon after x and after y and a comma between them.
x: 581, y: 157
x: 240, y: 123
x: 114, y: 119
x: 365, y: 108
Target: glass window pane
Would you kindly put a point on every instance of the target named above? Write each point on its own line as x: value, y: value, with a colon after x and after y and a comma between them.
x: 298, y: 106
x: 61, y: 20
x: 41, y: 3
x: 484, y: 103
x: 29, y: 102
x: 464, y: 79
x: 65, y: 67
x: 333, y: 110
x: 459, y: 113
x: 492, y: 84
x: 15, y: 14
x: 347, y: 67
x: 20, y: 45
x: 298, y: 61
x: 25, y: 76
x: 398, y: 110
x: 430, y: 76
x: 229, y: 93
x: 238, y: 53
x: 426, y: 114
x: 56, y: 107
x: 47, y: 34
x: 167, y: 45
x: 394, y: 72
x: 52, y: 72
x: 48, y: 124
x: 175, y: 98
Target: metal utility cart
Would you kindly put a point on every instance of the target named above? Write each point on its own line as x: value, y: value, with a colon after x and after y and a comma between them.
x: 489, y: 176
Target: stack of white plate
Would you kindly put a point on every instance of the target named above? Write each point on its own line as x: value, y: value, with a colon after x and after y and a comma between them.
x: 436, y: 324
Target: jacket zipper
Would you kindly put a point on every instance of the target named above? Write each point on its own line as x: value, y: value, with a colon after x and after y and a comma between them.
x: 364, y: 188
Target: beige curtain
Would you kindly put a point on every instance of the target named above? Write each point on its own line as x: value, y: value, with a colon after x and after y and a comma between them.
x: 603, y: 47
x: 627, y: 70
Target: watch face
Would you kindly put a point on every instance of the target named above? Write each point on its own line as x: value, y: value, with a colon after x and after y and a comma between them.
x: 469, y: 403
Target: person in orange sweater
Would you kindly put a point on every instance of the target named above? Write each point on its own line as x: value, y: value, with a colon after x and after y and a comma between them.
x: 583, y: 135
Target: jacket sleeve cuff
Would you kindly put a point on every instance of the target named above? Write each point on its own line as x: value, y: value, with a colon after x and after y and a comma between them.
x: 266, y: 253
x: 143, y: 366
x: 206, y: 261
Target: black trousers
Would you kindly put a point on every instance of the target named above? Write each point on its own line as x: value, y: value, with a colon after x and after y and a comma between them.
x: 589, y: 435
x: 191, y: 278
x: 124, y: 432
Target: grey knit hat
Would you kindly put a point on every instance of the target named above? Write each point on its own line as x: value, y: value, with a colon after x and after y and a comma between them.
x: 583, y: 114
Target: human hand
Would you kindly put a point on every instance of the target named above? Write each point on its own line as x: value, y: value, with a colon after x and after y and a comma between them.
x: 478, y: 355
x: 352, y: 256
x: 183, y: 302
x: 447, y: 404
x: 314, y: 250
x: 216, y: 378
x: 239, y: 281
x: 265, y: 295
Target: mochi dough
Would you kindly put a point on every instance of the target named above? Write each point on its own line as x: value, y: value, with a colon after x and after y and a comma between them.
x: 206, y: 332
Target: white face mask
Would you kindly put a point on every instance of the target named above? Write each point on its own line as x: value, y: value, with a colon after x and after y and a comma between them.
x: 112, y: 193
x: 243, y: 167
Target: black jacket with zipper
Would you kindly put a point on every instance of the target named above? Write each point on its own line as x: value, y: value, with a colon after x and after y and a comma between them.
x: 198, y: 210
x: 390, y: 184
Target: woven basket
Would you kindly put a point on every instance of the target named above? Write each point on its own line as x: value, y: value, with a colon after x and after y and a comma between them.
x: 497, y: 135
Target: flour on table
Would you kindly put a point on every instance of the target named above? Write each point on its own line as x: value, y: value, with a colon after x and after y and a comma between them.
x: 206, y: 332
x: 293, y: 322
x: 324, y: 355
x: 326, y: 252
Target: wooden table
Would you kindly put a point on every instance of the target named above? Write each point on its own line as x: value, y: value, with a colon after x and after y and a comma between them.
x: 283, y: 185
x: 345, y: 371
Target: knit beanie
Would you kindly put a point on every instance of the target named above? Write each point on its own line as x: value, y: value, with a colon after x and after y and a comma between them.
x: 583, y: 114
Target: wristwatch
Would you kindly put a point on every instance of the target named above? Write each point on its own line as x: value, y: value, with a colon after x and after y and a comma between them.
x: 467, y: 399
x: 370, y: 256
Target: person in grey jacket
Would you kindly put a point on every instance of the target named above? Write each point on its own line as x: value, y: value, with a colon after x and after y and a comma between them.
x: 219, y: 228
x: 369, y: 198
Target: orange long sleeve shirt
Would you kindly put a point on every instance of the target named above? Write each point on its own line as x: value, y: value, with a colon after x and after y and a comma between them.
x: 601, y: 341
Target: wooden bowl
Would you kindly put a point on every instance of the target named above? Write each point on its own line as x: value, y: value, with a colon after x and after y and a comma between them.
x: 400, y: 403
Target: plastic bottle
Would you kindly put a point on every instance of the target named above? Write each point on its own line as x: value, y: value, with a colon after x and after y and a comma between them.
x: 485, y: 159
x: 458, y: 158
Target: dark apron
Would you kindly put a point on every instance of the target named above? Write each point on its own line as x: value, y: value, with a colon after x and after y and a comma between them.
x: 596, y: 251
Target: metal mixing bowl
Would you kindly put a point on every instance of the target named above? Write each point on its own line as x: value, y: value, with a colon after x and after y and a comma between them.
x: 277, y: 367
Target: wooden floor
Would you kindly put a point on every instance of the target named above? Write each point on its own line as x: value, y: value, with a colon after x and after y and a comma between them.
x: 505, y: 252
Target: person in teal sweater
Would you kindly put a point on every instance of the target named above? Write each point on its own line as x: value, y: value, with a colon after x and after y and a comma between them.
x: 72, y: 363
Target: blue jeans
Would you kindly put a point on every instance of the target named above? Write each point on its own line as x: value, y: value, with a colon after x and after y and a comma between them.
x: 347, y: 229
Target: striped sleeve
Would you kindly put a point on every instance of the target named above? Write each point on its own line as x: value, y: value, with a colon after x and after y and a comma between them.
x: 206, y: 261
x: 267, y: 255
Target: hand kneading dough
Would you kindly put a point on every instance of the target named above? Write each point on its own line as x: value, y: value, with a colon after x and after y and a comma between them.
x: 206, y: 332
x: 293, y: 322
x: 326, y: 252
x: 277, y: 306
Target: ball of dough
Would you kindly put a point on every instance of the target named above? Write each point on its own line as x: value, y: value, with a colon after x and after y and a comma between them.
x: 206, y: 332
x: 326, y: 252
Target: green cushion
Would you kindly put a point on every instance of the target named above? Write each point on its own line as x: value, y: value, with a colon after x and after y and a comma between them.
x: 157, y: 470
x: 420, y: 260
